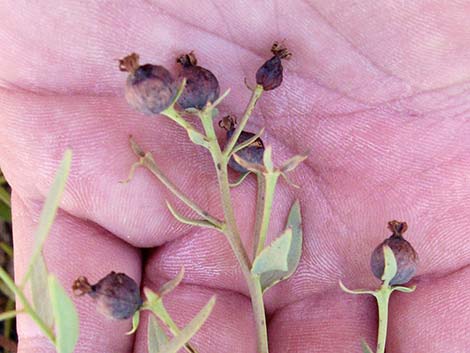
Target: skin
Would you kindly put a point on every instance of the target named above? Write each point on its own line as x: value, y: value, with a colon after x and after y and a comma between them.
x: 377, y: 91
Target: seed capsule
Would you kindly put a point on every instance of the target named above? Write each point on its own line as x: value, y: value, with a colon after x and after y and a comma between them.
x: 270, y: 74
x: 201, y: 84
x: 405, y: 255
x: 117, y: 295
x: 150, y: 89
x: 252, y: 153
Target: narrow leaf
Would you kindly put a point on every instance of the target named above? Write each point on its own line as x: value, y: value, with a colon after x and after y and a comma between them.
x: 49, y: 210
x: 404, y: 289
x: 267, y: 159
x: 252, y: 167
x: 197, y: 137
x: 40, y: 292
x: 156, y: 337
x: 274, y: 256
x: 172, y: 284
x: 239, y: 180
x: 193, y: 222
x: 247, y: 142
x: 65, y: 317
x: 294, y: 222
x: 355, y: 291
x: 190, y: 330
x: 220, y: 99
x: 135, y: 323
x: 365, y: 347
x: 390, y: 268
x: 292, y: 163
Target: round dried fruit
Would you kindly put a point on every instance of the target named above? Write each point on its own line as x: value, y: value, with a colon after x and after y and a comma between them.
x: 150, y: 89
x: 201, y: 84
x: 270, y: 74
x: 117, y: 295
x: 405, y: 255
x: 252, y: 153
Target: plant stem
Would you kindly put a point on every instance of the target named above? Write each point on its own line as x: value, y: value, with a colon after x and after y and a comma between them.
x: 26, y: 306
x: 382, y: 296
x: 233, y: 235
x: 161, y: 312
x: 148, y: 161
x: 263, y: 210
x: 246, y: 115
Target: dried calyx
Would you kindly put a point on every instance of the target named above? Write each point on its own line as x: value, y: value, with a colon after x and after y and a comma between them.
x: 253, y: 153
x: 150, y: 89
x: 270, y: 74
x: 117, y: 295
x: 201, y: 84
x: 405, y: 255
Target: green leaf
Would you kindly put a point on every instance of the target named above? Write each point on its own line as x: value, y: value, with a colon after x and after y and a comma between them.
x: 274, y: 256
x: 197, y: 138
x: 5, y: 212
x: 267, y: 159
x: 135, y: 322
x: 247, y: 142
x: 293, y: 163
x: 190, y: 330
x: 156, y: 337
x: 193, y: 222
x: 252, y: 167
x: 49, y: 211
x: 390, y: 269
x: 220, y: 99
x: 40, y: 293
x: 404, y: 289
x: 65, y: 317
x: 294, y: 222
x: 171, y: 284
x: 239, y: 180
x: 365, y: 347
x: 356, y: 291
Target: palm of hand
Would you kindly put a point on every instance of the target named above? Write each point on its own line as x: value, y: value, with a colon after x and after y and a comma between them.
x: 382, y: 113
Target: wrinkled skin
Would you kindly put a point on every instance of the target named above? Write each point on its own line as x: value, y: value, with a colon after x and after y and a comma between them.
x: 377, y: 91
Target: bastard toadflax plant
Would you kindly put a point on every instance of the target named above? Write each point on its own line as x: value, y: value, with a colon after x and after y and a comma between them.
x: 195, y: 93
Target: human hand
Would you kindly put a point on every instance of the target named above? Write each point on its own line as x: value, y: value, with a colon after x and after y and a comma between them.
x: 377, y: 92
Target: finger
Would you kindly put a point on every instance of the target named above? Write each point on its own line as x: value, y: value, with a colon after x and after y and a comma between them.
x: 439, y: 308
x: 229, y: 327
x: 74, y: 248
x: 330, y: 322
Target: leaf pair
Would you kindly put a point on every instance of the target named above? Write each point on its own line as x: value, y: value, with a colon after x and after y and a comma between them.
x: 280, y: 259
x: 157, y: 339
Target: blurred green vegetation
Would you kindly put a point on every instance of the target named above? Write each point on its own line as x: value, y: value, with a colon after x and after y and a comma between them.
x: 8, y: 337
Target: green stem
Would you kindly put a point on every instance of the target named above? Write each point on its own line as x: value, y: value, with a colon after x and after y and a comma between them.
x: 264, y: 210
x: 246, y: 115
x: 148, y: 161
x: 259, y: 212
x: 382, y: 296
x: 26, y: 306
x: 231, y: 230
x: 160, y: 311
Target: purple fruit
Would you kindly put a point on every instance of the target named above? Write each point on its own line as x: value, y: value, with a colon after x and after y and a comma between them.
x: 150, y: 89
x: 201, y: 84
x: 117, y: 295
x: 405, y: 255
x: 270, y: 74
